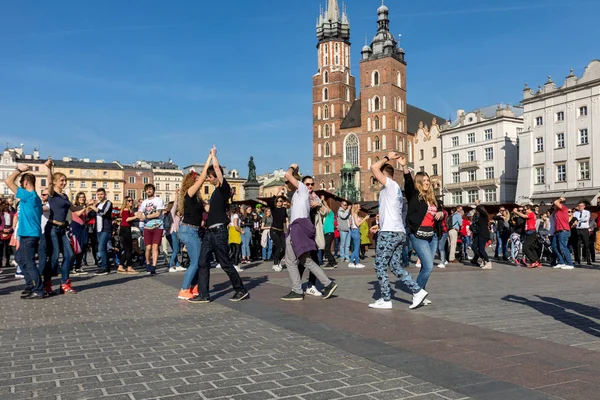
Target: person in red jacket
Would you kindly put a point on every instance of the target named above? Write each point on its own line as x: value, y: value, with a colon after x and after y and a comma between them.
x: 530, y: 236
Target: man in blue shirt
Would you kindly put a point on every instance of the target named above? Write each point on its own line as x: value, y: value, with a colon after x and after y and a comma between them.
x: 453, y: 229
x: 29, y: 230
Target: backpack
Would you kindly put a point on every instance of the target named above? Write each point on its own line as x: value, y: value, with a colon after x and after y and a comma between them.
x: 449, y: 221
x: 475, y: 225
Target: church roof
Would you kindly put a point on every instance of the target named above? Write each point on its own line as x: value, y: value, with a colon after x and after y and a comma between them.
x: 352, y: 119
x: 414, y: 115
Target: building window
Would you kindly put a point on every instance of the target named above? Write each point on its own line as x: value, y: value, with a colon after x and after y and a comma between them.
x: 71, y: 172
x: 206, y: 190
x: 94, y: 196
x: 82, y: 186
x: 473, y: 196
x: 105, y: 173
x: 472, y: 174
x: 375, y: 78
x: 325, y: 94
x: 454, y: 141
x: 561, y: 173
x: 157, y: 186
x: 487, y: 134
x: 326, y: 131
x: 132, y: 193
x: 347, y: 94
x: 539, y: 121
x: 583, y: 111
x: 325, y: 77
x: 421, y: 155
x: 560, y: 140
x: 327, y: 150
x: 94, y: 185
x: 233, y: 175
x: 457, y: 198
x: 489, y: 153
x: 560, y: 116
x: 456, y: 177
x: 132, y: 179
x: 490, y: 195
x: 435, y: 169
x: 539, y: 144
x: 489, y: 172
x: 376, y: 124
x: 434, y: 152
x: 116, y: 185
x: 376, y: 144
x: 376, y: 104
x: 325, y: 112
x: 399, y: 79
x: 43, y: 183
x: 455, y: 159
x: 470, y: 138
x: 327, y: 168
x: 146, y: 180
x: 117, y: 197
x: 167, y: 186
x: 352, y: 149
x: 105, y: 185
x: 540, y: 177
x: 471, y: 155
x: 583, y: 136
x: 584, y: 170
x: 71, y: 184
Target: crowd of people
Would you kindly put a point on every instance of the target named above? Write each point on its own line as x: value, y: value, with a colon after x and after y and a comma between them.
x: 296, y: 230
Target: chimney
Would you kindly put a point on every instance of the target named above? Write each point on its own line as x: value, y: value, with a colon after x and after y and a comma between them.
x: 36, y: 154
x: 459, y: 113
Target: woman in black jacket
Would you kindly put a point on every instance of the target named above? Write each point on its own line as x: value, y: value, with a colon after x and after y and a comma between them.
x: 423, y: 212
x: 481, y: 235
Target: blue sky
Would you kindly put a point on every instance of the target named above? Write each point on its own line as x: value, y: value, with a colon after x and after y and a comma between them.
x: 150, y: 79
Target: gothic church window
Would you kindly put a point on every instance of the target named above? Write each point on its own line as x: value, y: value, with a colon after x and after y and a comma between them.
x: 325, y: 112
x: 375, y: 78
x: 376, y: 104
x: 351, y: 149
x: 376, y: 126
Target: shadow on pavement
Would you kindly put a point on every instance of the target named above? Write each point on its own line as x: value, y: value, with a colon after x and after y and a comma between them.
x: 557, y: 309
x: 225, y: 288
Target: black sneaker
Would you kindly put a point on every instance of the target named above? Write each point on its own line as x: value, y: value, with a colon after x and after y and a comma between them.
x: 330, y: 266
x: 199, y: 300
x: 293, y: 296
x: 33, y: 296
x: 26, y: 293
x: 239, y: 296
x: 329, y: 289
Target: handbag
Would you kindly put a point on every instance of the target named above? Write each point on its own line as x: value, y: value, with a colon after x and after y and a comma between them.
x: 424, y: 233
x: 73, y: 240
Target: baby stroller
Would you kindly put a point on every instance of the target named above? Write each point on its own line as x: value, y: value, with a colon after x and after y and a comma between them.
x: 460, y: 253
x: 545, y: 249
x: 137, y: 252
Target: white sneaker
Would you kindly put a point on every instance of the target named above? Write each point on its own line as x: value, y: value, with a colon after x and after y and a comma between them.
x: 277, y: 268
x: 218, y: 266
x: 359, y: 266
x: 426, y: 302
x: 418, y: 299
x: 313, y: 291
x: 14, y: 263
x: 172, y: 269
x: 418, y: 265
x: 568, y: 267
x: 446, y: 262
x: 237, y: 268
x: 559, y: 266
x: 20, y: 276
x: 381, y: 304
x: 179, y: 268
x: 351, y: 265
x: 441, y: 265
x: 487, y: 265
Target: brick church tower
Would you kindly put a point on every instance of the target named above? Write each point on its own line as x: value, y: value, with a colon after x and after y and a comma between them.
x: 334, y: 90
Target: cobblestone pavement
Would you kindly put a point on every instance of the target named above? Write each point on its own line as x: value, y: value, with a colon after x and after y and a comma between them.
x: 126, y: 337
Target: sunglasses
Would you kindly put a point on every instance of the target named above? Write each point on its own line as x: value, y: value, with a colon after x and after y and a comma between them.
x: 130, y: 201
x: 44, y: 194
x: 309, y: 184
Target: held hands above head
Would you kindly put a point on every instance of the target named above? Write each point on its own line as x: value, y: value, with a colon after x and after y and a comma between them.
x: 23, y: 168
x: 49, y: 164
x: 294, y: 167
x: 392, y: 155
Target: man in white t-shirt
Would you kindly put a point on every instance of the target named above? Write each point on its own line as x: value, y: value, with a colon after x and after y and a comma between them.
x: 151, y: 214
x: 392, y: 236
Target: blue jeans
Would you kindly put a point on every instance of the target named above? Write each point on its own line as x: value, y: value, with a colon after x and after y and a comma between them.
x: 174, y: 240
x: 355, y: 256
x: 345, y: 245
x: 267, y: 251
x: 190, y: 239
x: 425, y: 250
x: 560, y: 245
x: 246, y: 239
x: 336, y: 247
x: 61, y: 243
x: 388, y: 255
x: 103, y: 238
x: 442, y: 247
x: 28, y: 246
x: 501, y: 245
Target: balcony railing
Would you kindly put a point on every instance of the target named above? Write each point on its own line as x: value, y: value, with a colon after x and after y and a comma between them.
x: 470, y: 184
x: 469, y: 164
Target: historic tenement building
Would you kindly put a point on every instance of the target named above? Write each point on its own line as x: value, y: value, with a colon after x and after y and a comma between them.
x: 349, y: 133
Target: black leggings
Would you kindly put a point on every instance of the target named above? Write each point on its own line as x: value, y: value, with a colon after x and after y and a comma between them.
x: 5, y: 251
x: 478, y: 247
x: 278, y: 245
x: 235, y: 251
x: 529, y: 248
x: 127, y: 246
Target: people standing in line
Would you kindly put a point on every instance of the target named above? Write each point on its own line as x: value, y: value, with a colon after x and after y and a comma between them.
x: 583, y: 234
x: 328, y: 232
x: 277, y: 229
x: 29, y: 230
x: 343, y: 220
x: 422, y: 213
x: 60, y: 205
x: 247, y: 222
x: 191, y: 208
x: 151, y: 214
x: 127, y: 220
x: 562, y: 233
x: 530, y: 245
x: 454, y: 229
x: 80, y: 230
x: 217, y: 235
x: 104, y: 229
x: 300, y: 240
x: 265, y: 227
x: 441, y: 228
x: 481, y: 235
x: 391, y: 236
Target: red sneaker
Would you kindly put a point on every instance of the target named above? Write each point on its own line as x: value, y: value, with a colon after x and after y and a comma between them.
x: 195, y: 291
x: 532, y: 265
x: 67, y: 288
x: 48, y: 289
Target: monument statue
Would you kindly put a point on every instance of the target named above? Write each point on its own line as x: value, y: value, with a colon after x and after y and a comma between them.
x: 251, y: 170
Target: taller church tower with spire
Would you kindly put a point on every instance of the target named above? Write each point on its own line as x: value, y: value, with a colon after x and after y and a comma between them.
x: 334, y: 90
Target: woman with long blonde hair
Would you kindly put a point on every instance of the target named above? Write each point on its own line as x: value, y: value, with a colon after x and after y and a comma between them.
x: 423, y: 213
x: 80, y: 231
x: 191, y: 209
x: 127, y: 218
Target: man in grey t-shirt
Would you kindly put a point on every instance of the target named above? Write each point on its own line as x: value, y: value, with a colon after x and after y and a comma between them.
x: 343, y: 220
